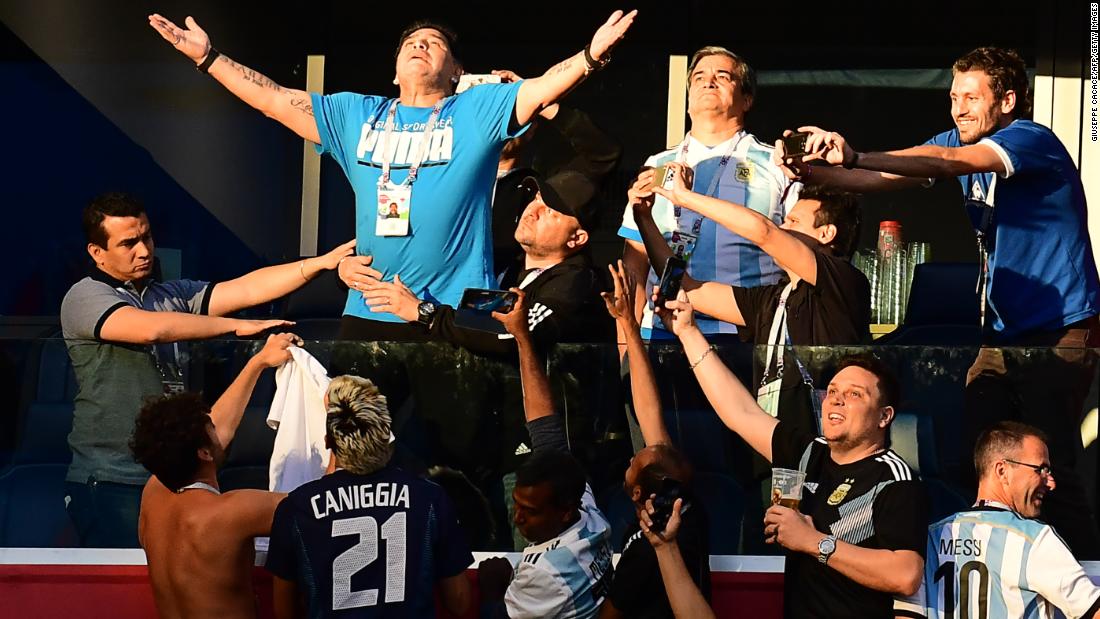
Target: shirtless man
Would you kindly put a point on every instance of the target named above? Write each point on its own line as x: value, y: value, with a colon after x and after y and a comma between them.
x: 198, y: 541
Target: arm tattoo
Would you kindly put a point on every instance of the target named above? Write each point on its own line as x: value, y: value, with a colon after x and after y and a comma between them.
x: 302, y: 105
x: 562, y: 66
x: 255, y: 77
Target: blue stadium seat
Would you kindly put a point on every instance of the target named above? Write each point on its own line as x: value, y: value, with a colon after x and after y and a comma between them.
x: 619, y: 511
x: 32, y: 507
x: 724, y: 503
x: 943, y: 307
x: 703, y: 438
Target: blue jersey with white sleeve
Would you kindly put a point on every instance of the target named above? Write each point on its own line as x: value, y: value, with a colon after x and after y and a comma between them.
x: 367, y: 545
x: 1042, y: 275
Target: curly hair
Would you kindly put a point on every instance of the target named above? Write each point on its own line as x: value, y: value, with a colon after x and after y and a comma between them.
x: 358, y: 424
x: 1006, y: 71
x: 167, y: 435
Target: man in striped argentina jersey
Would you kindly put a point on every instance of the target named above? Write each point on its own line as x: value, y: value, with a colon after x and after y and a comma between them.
x: 997, y: 560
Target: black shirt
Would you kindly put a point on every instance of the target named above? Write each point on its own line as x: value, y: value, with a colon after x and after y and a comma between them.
x: 877, y: 503
x: 638, y: 590
x: 834, y: 311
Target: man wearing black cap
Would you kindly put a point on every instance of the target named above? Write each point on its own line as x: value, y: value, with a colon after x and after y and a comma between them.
x: 557, y: 275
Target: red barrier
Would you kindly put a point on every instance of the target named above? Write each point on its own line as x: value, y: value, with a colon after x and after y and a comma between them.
x: 122, y: 591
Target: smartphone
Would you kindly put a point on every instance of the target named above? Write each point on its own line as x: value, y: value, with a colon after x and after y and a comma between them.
x: 488, y: 301
x: 795, y: 145
x: 671, y: 276
x: 663, y: 502
x: 660, y: 177
x: 469, y: 80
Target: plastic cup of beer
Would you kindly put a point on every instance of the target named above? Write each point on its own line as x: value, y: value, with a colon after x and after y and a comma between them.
x: 787, y: 487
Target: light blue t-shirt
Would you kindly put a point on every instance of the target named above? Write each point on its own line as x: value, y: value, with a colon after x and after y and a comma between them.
x: 449, y: 246
x: 1042, y: 275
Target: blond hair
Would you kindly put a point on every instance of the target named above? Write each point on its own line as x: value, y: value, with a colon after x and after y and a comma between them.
x: 358, y: 422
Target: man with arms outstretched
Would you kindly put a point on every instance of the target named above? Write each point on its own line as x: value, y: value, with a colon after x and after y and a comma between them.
x: 433, y: 153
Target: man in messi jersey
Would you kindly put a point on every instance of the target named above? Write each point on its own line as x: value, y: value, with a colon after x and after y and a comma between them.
x: 996, y: 559
x: 367, y: 539
x: 566, y: 571
x: 443, y: 149
x: 1026, y: 202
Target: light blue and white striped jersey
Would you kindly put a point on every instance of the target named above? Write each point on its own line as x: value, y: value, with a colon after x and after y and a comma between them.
x: 996, y: 563
x: 750, y: 179
x: 568, y: 576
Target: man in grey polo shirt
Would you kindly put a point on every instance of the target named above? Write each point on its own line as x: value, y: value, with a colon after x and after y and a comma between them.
x: 122, y: 329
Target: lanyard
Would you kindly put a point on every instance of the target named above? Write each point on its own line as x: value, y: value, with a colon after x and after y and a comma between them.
x: 383, y: 142
x: 682, y: 158
x: 778, y: 337
x: 199, y: 485
x: 985, y: 228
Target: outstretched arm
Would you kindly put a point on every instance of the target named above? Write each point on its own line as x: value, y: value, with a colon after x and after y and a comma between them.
x: 539, y: 92
x: 643, y: 384
x: 293, y: 108
x: 132, y: 325
x: 268, y: 283
x: 734, y: 404
x: 228, y: 410
x: 790, y: 253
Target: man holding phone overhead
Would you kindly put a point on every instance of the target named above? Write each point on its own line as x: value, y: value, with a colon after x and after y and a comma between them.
x: 730, y: 164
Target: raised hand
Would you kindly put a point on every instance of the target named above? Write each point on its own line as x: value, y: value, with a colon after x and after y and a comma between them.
x: 620, y: 301
x: 828, y: 146
x: 245, y: 328
x: 639, y: 195
x: 515, y: 321
x: 678, y: 315
x: 276, y: 350
x: 192, y: 42
x: 669, y: 534
x: 610, y: 33
x: 356, y: 272
x: 682, y: 177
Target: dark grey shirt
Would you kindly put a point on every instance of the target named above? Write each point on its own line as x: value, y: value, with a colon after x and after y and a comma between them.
x: 115, y: 378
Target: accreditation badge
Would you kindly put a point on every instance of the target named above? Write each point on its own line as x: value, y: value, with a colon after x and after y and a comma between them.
x: 393, y: 210
x: 767, y: 397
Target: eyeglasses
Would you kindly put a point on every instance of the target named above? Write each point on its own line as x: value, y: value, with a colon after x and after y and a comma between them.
x: 1042, y: 469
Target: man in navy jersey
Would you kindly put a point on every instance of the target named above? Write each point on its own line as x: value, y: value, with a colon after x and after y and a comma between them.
x: 1039, y: 284
x: 367, y: 539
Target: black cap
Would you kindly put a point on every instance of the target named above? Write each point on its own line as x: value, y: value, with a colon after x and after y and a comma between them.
x: 567, y: 192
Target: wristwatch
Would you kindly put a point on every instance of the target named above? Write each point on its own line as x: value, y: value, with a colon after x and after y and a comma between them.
x: 425, y: 313
x: 826, y: 548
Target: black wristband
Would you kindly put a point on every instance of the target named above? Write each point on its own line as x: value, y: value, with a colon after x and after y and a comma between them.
x: 848, y: 165
x: 211, y: 56
x: 591, y: 63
